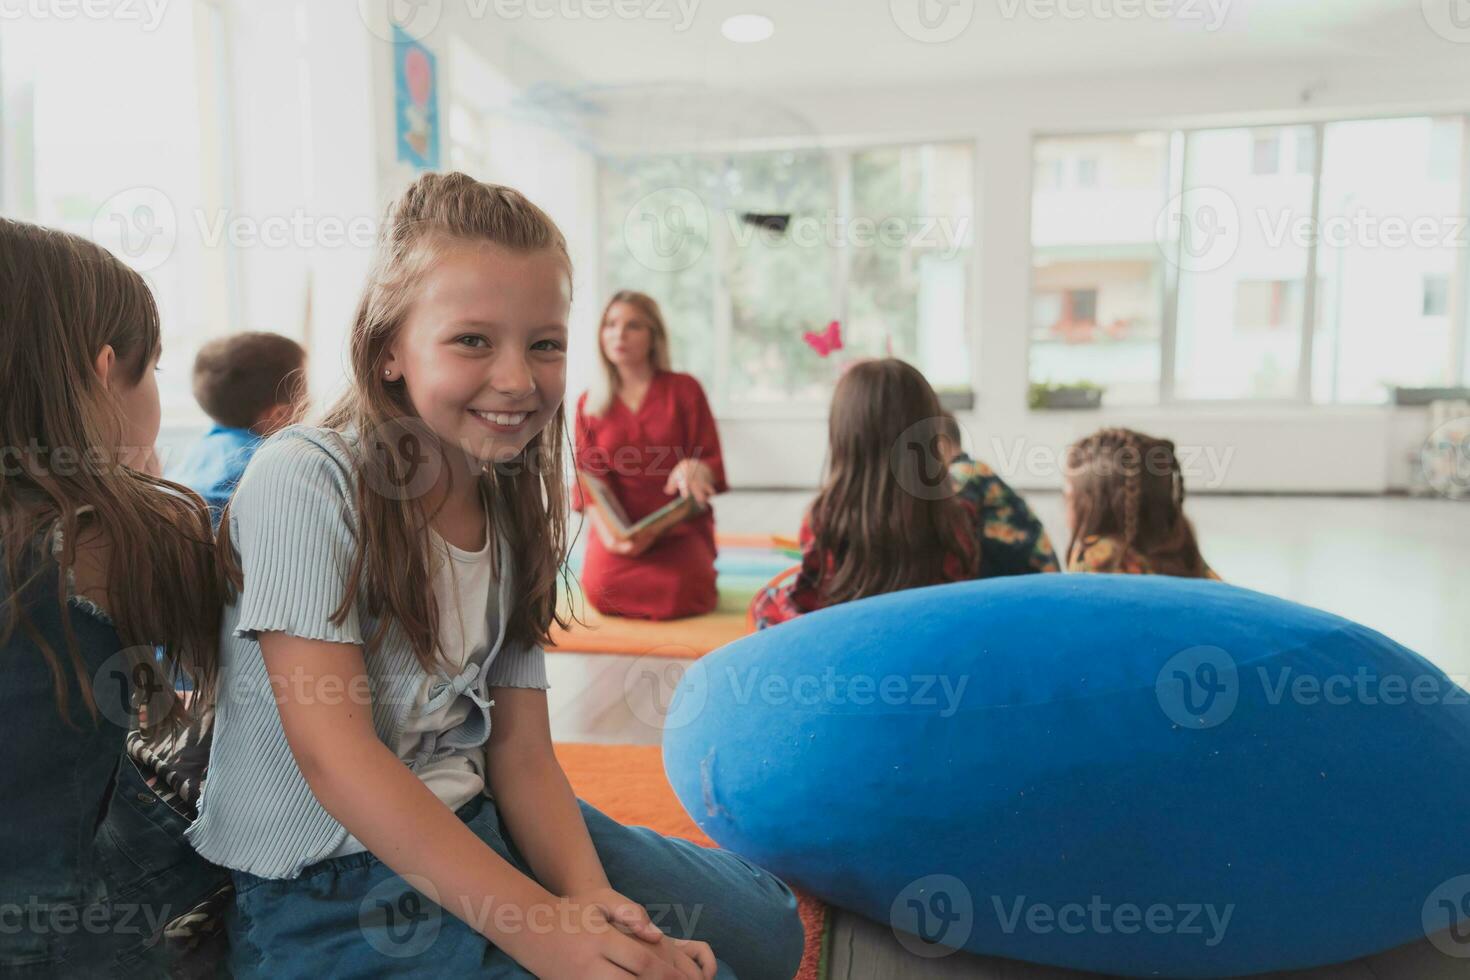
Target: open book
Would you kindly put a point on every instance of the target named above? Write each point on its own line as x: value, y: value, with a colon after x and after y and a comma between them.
x: 600, y: 495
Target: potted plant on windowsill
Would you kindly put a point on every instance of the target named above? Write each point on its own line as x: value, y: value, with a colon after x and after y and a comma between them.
x: 1077, y: 396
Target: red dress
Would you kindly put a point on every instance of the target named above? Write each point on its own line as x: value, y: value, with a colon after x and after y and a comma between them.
x: 634, y: 452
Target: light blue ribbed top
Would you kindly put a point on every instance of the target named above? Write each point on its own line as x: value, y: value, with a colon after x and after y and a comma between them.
x: 293, y: 524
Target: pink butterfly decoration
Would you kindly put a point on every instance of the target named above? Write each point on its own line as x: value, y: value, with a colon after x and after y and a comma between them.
x: 827, y: 341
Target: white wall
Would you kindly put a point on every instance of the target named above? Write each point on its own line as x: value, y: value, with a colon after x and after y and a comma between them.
x: 312, y: 143
x: 479, y: 65
x: 300, y: 157
x: 304, y: 148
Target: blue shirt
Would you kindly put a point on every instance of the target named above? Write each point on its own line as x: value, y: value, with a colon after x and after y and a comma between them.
x: 215, y: 464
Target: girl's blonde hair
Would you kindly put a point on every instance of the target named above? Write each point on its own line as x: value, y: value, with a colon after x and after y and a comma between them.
x: 1129, y: 486
x: 527, y: 495
x: 605, y: 387
x: 65, y: 299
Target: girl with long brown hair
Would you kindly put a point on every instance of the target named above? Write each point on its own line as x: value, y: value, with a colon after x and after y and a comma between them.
x: 888, y: 516
x: 382, y: 748
x: 1124, y: 494
x: 108, y: 599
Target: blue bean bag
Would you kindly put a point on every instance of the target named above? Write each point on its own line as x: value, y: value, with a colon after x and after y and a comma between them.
x: 1136, y: 775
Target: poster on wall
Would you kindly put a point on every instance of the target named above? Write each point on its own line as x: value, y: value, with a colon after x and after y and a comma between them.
x: 416, y: 102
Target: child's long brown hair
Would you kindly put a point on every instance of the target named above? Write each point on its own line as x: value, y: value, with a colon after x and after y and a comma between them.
x: 1128, y: 486
x: 883, y: 513
x: 65, y: 299
x: 527, y: 495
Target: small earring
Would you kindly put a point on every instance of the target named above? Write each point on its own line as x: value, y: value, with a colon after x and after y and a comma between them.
x: 388, y: 373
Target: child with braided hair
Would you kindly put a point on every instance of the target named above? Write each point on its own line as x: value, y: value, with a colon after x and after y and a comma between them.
x: 1124, y: 494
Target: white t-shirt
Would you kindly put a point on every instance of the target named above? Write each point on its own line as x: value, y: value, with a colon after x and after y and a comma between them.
x: 466, y: 591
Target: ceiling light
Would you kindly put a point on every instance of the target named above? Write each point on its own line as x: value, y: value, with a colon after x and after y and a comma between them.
x: 747, y: 28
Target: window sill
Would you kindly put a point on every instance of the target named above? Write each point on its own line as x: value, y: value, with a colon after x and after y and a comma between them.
x: 1221, y: 410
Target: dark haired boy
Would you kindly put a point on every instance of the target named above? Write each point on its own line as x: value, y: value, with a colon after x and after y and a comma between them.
x: 251, y: 385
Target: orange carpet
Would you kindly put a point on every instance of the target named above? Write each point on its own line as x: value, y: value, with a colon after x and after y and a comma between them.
x: 681, y: 639
x: 627, y: 783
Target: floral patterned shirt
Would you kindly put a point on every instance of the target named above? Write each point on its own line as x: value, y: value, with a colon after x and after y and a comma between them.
x: 1096, y: 553
x: 1012, y: 540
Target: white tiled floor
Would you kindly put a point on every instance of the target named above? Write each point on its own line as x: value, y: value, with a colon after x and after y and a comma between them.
x: 1399, y: 565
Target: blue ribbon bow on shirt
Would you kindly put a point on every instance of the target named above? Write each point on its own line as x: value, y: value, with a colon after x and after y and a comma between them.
x: 468, y: 734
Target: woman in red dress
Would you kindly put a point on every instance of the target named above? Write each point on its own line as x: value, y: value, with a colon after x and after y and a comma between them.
x: 648, y: 432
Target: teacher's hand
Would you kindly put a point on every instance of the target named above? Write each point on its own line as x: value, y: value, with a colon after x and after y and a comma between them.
x: 691, y: 478
x: 631, y: 548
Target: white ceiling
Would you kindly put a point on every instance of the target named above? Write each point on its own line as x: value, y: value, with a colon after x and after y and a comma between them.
x: 862, y: 43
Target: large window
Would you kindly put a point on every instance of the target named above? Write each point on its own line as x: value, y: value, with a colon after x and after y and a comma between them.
x: 1393, y: 233
x: 753, y: 255
x: 134, y: 163
x: 1241, y: 280
x: 1315, y: 262
x: 1097, y: 275
x: 908, y: 288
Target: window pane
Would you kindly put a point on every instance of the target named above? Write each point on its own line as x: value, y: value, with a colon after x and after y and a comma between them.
x: 1436, y: 296
x: 123, y: 162
x: 1097, y: 272
x: 747, y: 253
x: 656, y: 239
x: 907, y: 280
x: 1243, y: 263
x: 1087, y: 172
x: 1265, y: 153
x: 780, y: 281
x: 1306, y: 150
x: 1391, y: 234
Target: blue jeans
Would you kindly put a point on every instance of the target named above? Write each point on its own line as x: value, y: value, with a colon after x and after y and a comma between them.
x: 353, y: 917
x: 143, y: 874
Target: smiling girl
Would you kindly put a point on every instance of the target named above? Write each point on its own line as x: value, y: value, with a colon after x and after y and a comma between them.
x: 382, y: 751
